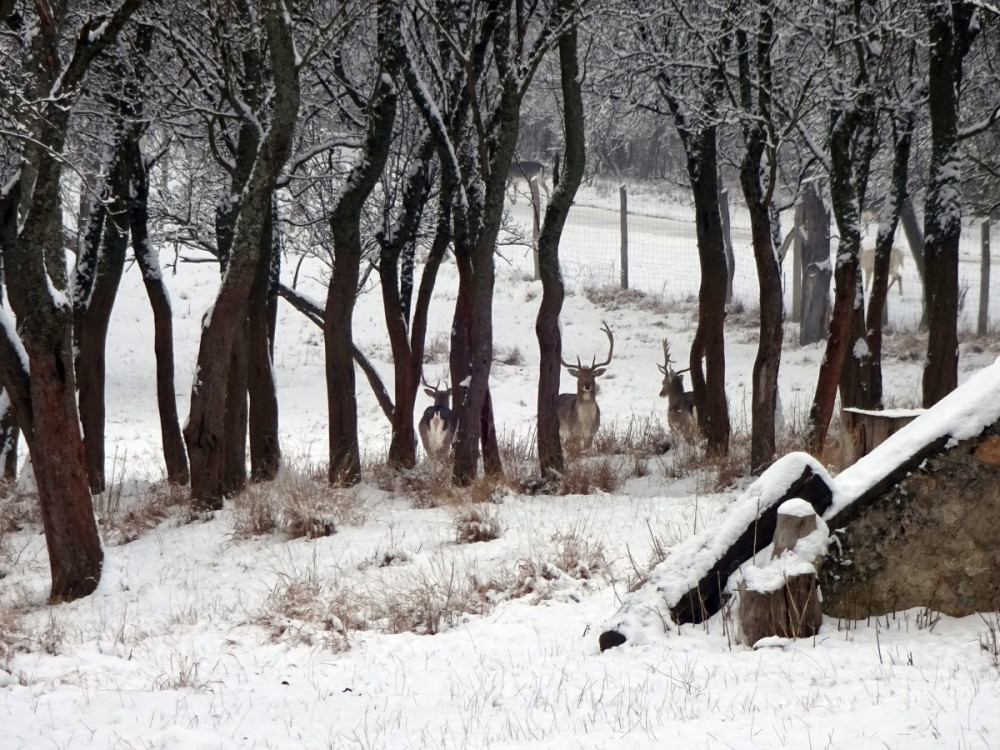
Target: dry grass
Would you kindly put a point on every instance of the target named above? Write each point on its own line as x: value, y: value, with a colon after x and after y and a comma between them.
x: 437, y: 350
x: 14, y: 637
x: 296, y: 504
x: 322, y: 615
x: 576, y: 563
x: 615, y: 298
x: 588, y: 475
x: 309, y: 613
x: 125, y: 518
x: 476, y: 522
x: 511, y: 356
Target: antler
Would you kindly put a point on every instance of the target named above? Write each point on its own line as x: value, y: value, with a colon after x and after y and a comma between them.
x: 428, y: 385
x: 666, y: 357
x: 594, y: 364
x: 611, y: 347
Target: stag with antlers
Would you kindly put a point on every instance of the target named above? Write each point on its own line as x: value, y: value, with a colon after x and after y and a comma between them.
x: 437, y: 425
x: 681, y: 414
x: 579, y: 415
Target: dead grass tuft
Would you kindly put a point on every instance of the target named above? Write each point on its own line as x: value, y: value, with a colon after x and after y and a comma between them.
x: 125, y: 518
x: 585, y: 476
x: 14, y: 637
x: 476, y: 522
x: 311, y: 614
x: 577, y: 563
x: 430, y: 606
x: 615, y: 298
x: 509, y: 356
x: 296, y: 505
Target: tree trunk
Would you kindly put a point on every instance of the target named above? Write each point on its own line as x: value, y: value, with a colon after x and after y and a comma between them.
x: 846, y: 278
x: 709, y: 341
x: 766, y: 365
x: 345, y: 224
x: 174, y: 453
x: 405, y: 338
x: 265, y: 446
x: 903, y: 128
x: 950, y: 35
x: 92, y: 325
x: 550, y: 456
x: 204, y: 432
x: 237, y: 414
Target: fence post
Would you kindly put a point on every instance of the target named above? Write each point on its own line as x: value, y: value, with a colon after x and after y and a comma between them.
x: 984, y: 281
x: 624, y: 254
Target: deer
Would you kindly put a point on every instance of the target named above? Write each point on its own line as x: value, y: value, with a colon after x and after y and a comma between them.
x: 526, y: 172
x: 579, y: 414
x: 437, y: 425
x: 681, y: 413
x: 896, y: 258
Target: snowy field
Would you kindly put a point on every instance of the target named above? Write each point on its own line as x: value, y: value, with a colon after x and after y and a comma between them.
x: 390, y: 634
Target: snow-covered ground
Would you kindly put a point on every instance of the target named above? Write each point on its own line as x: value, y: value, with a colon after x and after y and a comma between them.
x: 200, y: 636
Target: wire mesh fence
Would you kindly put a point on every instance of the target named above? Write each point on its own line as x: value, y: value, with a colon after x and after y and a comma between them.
x: 662, y: 256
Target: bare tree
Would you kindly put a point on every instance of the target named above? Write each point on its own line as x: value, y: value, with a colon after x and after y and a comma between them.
x: 550, y: 455
x: 345, y: 222
x: 205, y: 430
x: 57, y: 57
x: 483, y: 57
x: 674, y: 63
x: 953, y: 26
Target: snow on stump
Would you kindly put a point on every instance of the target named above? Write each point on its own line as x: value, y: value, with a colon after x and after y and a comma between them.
x: 692, y: 582
x: 865, y: 430
x: 781, y: 599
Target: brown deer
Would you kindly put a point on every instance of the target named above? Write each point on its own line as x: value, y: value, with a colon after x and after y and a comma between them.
x: 579, y: 415
x: 681, y: 414
x: 437, y: 425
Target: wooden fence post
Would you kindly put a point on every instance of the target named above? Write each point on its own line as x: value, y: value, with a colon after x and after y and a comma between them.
x: 984, y: 281
x: 624, y: 252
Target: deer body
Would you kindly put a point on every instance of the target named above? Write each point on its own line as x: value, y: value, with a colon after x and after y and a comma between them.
x: 437, y: 425
x: 526, y: 172
x: 579, y: 414
x: 681, y: 412
x: 895, y: 267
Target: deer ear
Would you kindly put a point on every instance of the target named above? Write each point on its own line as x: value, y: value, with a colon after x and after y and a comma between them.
x: 573, y: 371
x: 662, y: 369
x: 600, y: 371
x: 429, y: 392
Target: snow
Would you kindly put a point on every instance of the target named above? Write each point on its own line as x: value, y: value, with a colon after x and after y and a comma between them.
x: 189, y: 641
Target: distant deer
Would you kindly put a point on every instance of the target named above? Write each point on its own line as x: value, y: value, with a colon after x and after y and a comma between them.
x: 526, y: 172
x: 437, y: 425
x: 681, y: 414
x: 579, y: 415
x: 895, y: 267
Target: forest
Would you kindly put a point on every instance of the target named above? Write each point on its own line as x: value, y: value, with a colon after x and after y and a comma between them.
x: 380, y: 138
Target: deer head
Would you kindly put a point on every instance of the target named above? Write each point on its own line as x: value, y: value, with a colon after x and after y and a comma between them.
x: 585, y: 376
x: 441, y: 396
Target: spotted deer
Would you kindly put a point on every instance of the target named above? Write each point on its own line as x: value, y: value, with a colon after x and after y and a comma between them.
x: 437, y: 425
x: 579, y: 415
x: 526, y: 172
x: 681, y: 413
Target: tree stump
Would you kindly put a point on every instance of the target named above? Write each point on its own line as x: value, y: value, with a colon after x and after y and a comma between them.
x: 781, y: 598
x: 864, y: 430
